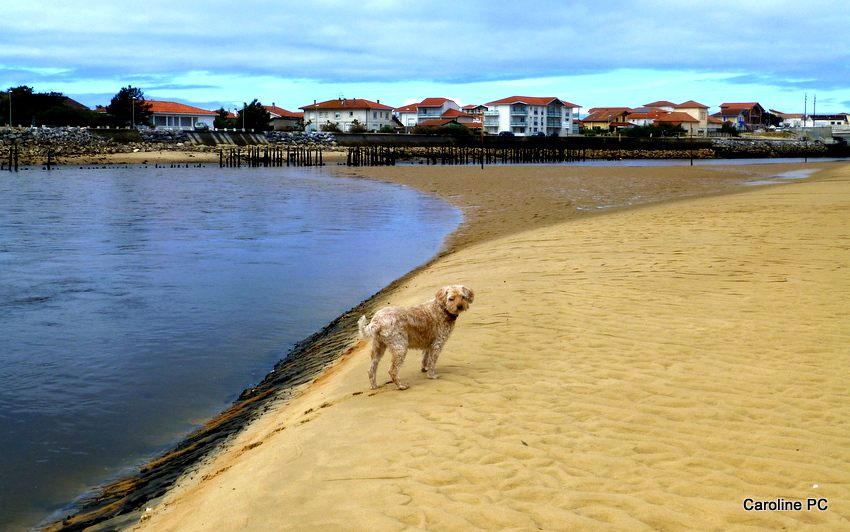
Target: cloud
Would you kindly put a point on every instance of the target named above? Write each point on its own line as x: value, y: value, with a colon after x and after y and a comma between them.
x: 785, y: 44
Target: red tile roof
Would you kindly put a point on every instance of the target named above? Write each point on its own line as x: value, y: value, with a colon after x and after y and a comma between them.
x: 281, y: 112
x: 660, y: 103
x: 690, y: 104
x: 434, y: 102
x: 347, y: 103
x: 454, y: 113
x: 749, y: 105
x: 533, y: 100
x: 676, y: 118
x: 408, y: 108
x: 176, y: 108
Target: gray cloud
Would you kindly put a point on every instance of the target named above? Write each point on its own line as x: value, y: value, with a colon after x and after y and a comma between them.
x: 780, y: 43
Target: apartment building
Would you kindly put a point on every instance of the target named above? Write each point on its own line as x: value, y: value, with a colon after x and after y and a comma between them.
x: 528, y: 115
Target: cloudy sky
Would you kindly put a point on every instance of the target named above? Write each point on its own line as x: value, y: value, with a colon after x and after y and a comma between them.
x: 594, y: 53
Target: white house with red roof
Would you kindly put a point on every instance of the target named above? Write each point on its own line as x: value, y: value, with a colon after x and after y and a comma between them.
x: 345, y: 111
x: 173, y: 115
x: 527, y: 115
x: 431, y: 109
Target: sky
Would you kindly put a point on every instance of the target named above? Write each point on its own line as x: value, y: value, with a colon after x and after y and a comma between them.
x: 787, y: 55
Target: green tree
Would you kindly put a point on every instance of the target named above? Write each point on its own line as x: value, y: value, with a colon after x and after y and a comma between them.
x: 223, y: 121
x: 728, y: 128
x: 330, y: 127
x: 254, y: 116
x: 357, y: 127
x: 129, y: 107
x: 27, y: 105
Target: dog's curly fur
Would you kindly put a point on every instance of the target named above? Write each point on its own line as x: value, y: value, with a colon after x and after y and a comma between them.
x: 426, y: 326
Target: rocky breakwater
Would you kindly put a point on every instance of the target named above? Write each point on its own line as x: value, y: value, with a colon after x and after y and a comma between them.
x: 758, y: 148
x: 312, y: 139
x: 36, y: 145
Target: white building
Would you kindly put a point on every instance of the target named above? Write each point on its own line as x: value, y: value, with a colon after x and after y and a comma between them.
x: 428, y: 109
x: 345, y: 111
x: 173, y: 115
x: 527, y: 115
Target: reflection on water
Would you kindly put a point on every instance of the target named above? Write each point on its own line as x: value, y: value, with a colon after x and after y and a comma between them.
x: 137, y: 302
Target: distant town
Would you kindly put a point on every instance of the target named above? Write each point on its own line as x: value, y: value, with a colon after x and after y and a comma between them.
x: 511, y: 116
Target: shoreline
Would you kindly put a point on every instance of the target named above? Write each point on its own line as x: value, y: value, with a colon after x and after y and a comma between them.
x: 494, y: 208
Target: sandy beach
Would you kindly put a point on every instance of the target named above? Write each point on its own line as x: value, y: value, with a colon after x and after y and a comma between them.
x: 624, y: 367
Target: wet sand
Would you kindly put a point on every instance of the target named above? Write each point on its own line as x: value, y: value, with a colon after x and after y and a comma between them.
x: 626, y: 368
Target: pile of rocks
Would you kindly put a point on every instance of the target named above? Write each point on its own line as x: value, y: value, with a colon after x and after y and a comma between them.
x: 313, y: 138
x: 757, y: 148
x: 34, y: 144
x: 164, y: 136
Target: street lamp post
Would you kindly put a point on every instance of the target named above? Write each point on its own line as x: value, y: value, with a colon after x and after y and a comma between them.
x: 244, y: 106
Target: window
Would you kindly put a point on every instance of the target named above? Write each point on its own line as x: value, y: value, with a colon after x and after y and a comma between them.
x: 336, y: 115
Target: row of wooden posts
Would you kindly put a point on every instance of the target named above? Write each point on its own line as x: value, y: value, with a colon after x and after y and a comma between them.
x: 256, y: 156
x: 266, y: 156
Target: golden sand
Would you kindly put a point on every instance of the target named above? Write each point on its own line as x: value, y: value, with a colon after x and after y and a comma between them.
x: 650, y: 368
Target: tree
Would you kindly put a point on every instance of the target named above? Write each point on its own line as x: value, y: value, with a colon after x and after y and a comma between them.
x: 223, y: 121
x: 330, y: 127
x: 254, y: 116
x: 27, y: 105
x: 129, y: 107
x: 357, y: 127
x: 727, y: 128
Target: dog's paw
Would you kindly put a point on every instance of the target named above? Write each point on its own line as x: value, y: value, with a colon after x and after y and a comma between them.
x: 433, y: 376
x: 402, y: 386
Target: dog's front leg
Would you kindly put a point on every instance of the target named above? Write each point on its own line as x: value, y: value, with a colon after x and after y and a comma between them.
x: 429, y: 360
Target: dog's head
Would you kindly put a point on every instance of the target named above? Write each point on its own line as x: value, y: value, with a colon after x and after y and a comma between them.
x: 454, y: 298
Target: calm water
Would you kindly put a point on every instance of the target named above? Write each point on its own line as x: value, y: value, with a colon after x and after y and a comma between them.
x: 135, y: 303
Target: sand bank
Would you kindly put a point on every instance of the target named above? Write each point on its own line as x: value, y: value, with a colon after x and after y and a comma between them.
x: 650, y: 368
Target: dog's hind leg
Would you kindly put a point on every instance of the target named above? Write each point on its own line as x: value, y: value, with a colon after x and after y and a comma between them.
x: 398, y: 354
x: 378, y: 349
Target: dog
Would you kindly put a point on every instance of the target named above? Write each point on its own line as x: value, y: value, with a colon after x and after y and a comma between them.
x: 426, y: 326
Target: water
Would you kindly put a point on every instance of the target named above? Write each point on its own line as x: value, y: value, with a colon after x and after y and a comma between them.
x: 136, y: 303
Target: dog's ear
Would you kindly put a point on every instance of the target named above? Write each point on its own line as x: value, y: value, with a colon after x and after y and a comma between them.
x: 441, y: 295
x: 468, y: 294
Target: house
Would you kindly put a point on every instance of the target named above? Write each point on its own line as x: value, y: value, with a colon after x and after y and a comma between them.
x: 698, y: 111
x: 685, y: 120
x: 662, y: 105
x: 428, y: 109
x: 745, y: 116
x: 645, y: 117
x: 407, y: 115
x: 173, y: 115
x: 839, y: 121
x: 526, y: 115
x: 477, y: 111
x: 607, y: 118
x: 344, y: 112
x: 788, y: 120
x: 283, y: 120
x: 715, y: 126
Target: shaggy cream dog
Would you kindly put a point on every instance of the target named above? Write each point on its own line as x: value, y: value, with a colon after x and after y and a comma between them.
x: 426, y: 327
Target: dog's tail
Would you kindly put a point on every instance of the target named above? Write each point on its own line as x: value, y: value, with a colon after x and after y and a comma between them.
x: 363, y: 328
